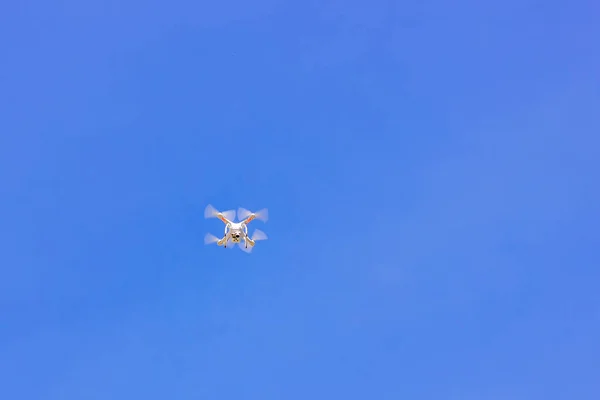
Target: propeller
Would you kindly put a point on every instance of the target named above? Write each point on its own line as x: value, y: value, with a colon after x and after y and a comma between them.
x: 257, y: 235
x: 210, y: 239
x: 262, y: 215
x: 211, y: 212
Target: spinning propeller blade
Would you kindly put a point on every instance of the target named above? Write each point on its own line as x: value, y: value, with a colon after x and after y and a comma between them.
x: 259, y: 235
x: 262, y: 215
x: 211, y: 212
x: 210, y: 239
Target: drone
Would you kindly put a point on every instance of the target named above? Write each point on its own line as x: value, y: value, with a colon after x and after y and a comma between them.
x: 236, y: 232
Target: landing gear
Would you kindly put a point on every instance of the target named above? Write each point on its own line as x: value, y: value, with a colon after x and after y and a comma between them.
x: 248, y: 241
x: 223, y: 242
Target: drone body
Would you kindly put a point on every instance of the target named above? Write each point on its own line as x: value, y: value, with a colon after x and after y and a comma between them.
x: 236, y: 232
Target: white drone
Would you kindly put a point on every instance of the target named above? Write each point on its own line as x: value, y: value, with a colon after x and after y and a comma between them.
x: 236, y: 232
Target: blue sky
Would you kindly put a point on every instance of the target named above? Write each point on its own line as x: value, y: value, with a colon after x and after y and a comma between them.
x: 430, y: 170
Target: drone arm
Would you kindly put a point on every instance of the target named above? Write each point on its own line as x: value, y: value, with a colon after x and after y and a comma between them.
x: 222, y: 218
x: 251, y: 217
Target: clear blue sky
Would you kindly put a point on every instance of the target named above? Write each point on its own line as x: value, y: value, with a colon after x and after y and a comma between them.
x: 431, y: 171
